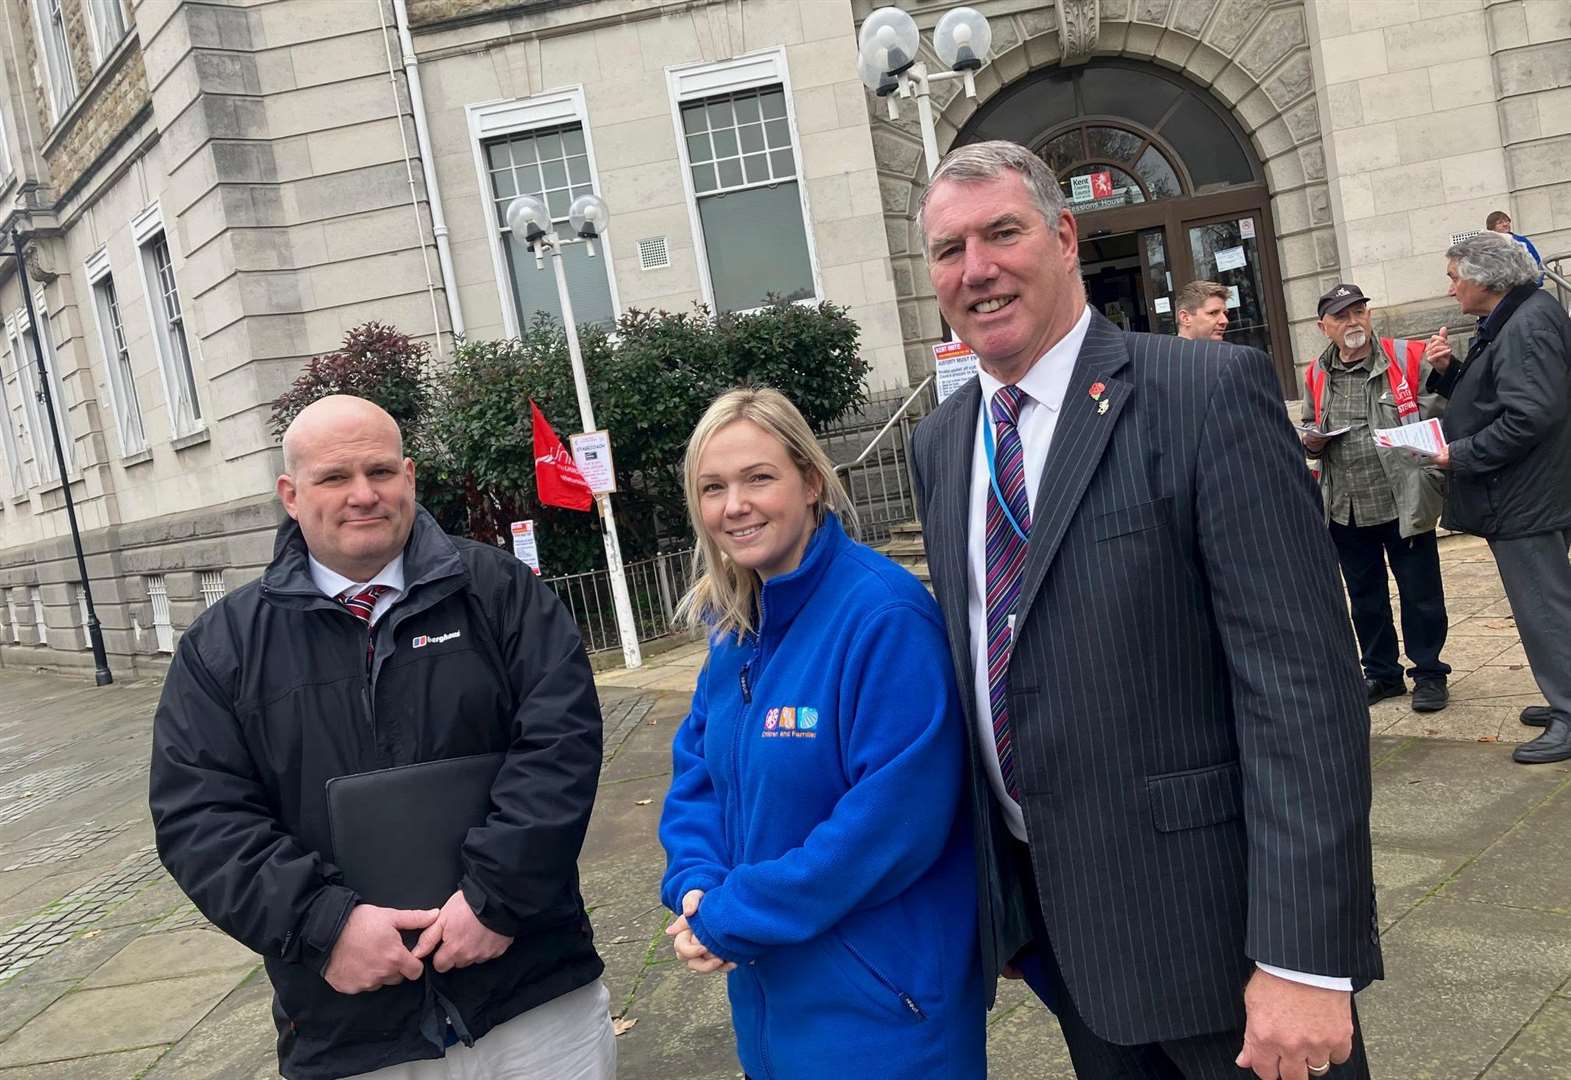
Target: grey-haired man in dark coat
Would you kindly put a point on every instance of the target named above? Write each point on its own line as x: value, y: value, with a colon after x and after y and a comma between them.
x: 1508, y: 426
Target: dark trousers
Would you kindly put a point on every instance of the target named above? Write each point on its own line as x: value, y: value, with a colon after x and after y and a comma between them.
x: 1364, y: 551
x: 1537, y: 579
x: 1202, y: 1057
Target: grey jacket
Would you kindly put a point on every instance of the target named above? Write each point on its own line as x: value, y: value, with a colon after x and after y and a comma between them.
x: 1419, y: 489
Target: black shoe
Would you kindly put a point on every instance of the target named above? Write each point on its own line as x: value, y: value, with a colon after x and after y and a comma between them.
x: 1430, y: 695
x: 1537, y: 715
x: 1553, y: 745
x: 1379, y: 690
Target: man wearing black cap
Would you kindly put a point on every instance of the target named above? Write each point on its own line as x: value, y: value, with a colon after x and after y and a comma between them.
x: 1381, y: 504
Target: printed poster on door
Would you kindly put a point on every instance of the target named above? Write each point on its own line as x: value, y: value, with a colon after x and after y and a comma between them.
x: 956, y: 365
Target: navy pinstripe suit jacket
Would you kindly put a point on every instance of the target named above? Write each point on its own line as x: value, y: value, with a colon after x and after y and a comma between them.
x: 1190, y: 726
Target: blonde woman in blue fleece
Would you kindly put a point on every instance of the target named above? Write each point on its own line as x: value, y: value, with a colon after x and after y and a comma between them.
x: 817, y: 848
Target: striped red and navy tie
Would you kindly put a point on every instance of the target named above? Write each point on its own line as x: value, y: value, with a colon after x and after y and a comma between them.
x: 1006, y: 557
x: 362, y: 604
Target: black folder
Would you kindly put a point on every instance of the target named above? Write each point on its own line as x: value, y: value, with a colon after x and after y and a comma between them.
x: 397, y: 833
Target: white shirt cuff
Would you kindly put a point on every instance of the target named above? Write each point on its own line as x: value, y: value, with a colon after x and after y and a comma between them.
x: 1324, y: 982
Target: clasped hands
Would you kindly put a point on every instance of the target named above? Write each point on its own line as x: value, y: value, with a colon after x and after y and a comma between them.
x: 688, y: 948
x: 370, y: 951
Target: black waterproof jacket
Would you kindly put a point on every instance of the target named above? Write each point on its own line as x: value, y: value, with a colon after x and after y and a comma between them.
x: 268, y: 698
x: 1509, y: 421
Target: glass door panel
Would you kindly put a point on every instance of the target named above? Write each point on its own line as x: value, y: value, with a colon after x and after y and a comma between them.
x: 1159, y: 281
x: 1228, y: 253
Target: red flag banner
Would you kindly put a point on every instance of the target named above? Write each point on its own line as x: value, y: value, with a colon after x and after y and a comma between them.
x: 557, y: 478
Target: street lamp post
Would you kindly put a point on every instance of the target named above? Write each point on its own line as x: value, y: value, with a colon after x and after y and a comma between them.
x: 887, y: 62
x: 95, y: 633
x: 528, y: 218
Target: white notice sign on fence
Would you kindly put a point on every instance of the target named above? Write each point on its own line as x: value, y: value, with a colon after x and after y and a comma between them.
x: 524, y: 545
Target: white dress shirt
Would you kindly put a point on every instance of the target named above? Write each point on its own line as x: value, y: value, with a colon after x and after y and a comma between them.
x: 332, y: 584
x: 1045, y: 384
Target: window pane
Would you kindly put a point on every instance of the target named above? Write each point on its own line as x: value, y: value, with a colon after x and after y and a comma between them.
x: 550, y: 144
x: 751, y: 137
x: 503, y: 182
x: 1158, y: 176
x: 578, y: 170
x: 698, y: 149
x: 500, y: 155
x: 779, y: 134
x: 756, y: 166
x: 747, y: 109
x: 720, y: 113
x: 756, y: 246
x: 783, y: 163
x: 1206, y: 145
x: 573, y: 140
x: 1122, y: 91
x: 703, y: 178
x: 558, y: 202
x: 694, y: 118
x: 554, y: 173
x: 1112, y: 144
x: 725, y: 142
x: 535, y: 290
x: 1064, y: 151
x: 730, y: 173
x: 773, y: 103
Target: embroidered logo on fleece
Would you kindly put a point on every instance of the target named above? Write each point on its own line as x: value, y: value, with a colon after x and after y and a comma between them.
x: 423, y: 640
x: 791, y: 722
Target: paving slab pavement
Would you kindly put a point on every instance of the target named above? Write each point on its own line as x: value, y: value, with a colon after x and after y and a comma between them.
x: 108, y: 972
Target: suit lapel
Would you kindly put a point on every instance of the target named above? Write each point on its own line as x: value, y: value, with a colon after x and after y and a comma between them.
x: 1079, y: 440
x: 949, y: 550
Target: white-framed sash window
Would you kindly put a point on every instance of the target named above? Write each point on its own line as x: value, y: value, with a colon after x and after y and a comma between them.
x: 106, y: 27
x: 741, y: 168
x: 54, y: 47
x: 541, y: 146
x: 167, y: 315
x: 117, y: 357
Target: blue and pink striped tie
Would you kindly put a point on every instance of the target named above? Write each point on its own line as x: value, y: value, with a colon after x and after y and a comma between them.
x: 1006, y: 557
x: 361, y: 604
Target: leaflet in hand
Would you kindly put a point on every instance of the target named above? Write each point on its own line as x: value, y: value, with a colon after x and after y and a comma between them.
x: 1310, y: 429
x: 1424, y: 438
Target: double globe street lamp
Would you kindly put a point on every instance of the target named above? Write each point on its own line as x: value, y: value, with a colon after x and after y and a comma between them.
x: 888, y: 61
x: 587, y: 217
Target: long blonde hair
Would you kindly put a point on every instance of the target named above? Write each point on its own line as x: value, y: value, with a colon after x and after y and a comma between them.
x: 724, y: 596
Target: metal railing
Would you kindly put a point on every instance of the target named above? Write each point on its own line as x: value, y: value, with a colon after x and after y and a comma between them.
x: 879, y: 479
x: 655, y: 585
x: 1557, y: 274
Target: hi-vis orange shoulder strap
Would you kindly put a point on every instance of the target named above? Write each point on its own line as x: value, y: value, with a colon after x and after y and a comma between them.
x: 1404, y: 384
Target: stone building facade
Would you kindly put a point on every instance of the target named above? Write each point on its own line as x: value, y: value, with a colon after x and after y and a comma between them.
x: 211, y: 192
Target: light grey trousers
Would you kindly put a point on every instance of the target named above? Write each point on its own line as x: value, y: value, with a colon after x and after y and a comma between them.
x: 1537, y: 577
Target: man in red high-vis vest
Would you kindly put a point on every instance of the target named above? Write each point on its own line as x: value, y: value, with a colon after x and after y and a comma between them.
x: 1381, y: 505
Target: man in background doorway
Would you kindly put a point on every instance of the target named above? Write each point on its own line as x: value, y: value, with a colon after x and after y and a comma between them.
x: 1202, y: 310
x: 1381, y: 504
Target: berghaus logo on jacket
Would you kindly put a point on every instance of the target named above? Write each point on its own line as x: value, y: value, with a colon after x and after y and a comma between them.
x: 423, y: 640
x: 791, y: 722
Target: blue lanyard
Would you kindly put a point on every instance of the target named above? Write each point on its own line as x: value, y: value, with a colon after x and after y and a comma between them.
x: 991, y: 453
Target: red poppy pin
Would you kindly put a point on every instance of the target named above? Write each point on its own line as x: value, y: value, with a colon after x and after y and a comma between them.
x: 1097, y: 390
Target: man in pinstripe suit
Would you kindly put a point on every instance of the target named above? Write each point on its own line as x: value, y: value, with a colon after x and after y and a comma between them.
x: 1170, y: 770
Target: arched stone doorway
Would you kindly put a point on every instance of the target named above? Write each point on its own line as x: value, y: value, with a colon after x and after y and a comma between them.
x: 1245, y: 60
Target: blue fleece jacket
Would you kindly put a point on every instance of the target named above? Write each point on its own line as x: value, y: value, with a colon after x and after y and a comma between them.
x: 817, y: 800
